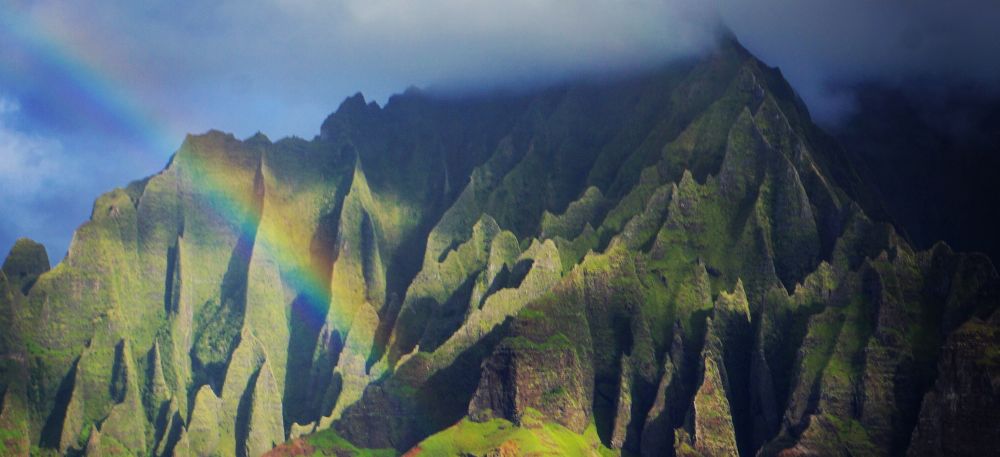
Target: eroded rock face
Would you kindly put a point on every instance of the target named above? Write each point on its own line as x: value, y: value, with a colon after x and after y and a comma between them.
x: 710, y: 417
x: 518, y: 376
x: 657, y: 431
x: 959, y: 415
x: 672, y: 263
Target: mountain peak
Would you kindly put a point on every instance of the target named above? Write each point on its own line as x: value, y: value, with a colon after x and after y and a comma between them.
x: 353, y: 103
x: 26, y: 261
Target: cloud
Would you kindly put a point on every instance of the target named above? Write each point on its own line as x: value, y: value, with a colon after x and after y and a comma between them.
x: 825, y: 48
x: 287, y: 63
x: 8, y: 106
x: 31, y: 163
x: 36, y: 173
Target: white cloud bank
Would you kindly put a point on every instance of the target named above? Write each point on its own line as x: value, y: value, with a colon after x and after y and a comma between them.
x: 37, y: 178
x: 31, y: 163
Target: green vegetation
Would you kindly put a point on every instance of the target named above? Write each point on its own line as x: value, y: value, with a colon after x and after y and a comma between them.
x: 26, y: 261
x: 329, y: 443
x: 533, y: 437
x: 9, y: 440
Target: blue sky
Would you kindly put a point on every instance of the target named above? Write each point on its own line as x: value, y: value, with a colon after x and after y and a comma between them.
x: 94, y: 94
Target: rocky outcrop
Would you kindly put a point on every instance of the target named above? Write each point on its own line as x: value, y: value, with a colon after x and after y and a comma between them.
x: 26, y: 261
x: 657, y: 431
x: 265, y: 428
x: 516, y: 378
x: 709, y: 429
x: 959, y: 414
x: 121, y: 423
x: 204, y: 427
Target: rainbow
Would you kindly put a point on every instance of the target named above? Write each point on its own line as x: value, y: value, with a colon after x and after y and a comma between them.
x: 242, y: 211
x: 106, y: 100
x: 98, y: 95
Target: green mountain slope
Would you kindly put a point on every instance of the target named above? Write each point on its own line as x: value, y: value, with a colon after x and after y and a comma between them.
x: 676, y: 262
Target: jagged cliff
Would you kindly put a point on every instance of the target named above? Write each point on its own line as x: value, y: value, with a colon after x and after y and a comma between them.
x: 672, y: 263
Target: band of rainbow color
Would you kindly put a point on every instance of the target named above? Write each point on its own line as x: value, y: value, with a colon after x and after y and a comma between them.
x: 99, y: 95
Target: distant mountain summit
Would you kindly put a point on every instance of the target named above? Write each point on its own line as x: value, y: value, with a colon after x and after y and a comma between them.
x: 674, y: 262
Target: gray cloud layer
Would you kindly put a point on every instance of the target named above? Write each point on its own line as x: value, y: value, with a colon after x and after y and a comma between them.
x: 272, y: 63
x: 282, y: 65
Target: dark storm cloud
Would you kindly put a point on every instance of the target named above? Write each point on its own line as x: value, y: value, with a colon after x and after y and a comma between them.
x: 827, y: 47
x: 280, y: 66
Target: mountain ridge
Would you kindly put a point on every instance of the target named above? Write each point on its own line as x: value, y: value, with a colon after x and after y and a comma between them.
x: 677, y: 262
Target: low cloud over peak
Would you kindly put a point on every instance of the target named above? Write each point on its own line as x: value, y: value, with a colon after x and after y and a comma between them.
x: 182, y: 59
